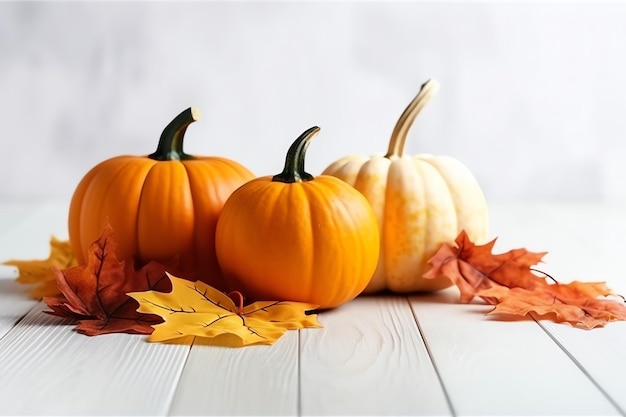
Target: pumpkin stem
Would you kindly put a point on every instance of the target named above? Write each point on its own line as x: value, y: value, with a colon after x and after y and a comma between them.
x: 401, y: 130
x: 294, y: 162
x: 170, y: 147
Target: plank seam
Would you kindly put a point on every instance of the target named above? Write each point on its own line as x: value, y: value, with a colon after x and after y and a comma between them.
x: 299, y: 389
x: 580, y: 366
x: 179, y: 376
x: 432, y: 359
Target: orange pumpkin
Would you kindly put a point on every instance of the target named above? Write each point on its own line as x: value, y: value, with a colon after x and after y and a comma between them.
x: 163, y: 207
x: 296, y: 237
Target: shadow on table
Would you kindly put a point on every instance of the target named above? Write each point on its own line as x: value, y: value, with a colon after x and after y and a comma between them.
x: 478, y: 306
x: 446, y: 296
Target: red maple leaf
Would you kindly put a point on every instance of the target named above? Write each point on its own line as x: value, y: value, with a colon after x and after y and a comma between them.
x: 509, y: 282
x: 95, y: 294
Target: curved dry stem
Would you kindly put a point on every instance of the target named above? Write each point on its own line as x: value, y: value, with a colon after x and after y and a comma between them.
x: 401, y: 130
x: 237, y: 298
x: 545, y: 274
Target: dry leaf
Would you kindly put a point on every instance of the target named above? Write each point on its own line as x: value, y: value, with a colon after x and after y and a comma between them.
x: 473, y: 268
x: 582, y: 311
x: 196, y: 309
x: 507, y: 281
x: 95, y: 294
x: 38, y: 272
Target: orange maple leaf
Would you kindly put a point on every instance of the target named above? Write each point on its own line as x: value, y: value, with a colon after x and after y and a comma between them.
x: 38, y: 272
x: 473, y: 267
x: 507, y: 281
x: 582, y: 311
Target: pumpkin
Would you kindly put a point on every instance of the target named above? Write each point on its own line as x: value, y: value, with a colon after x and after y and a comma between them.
x: 163, y: 207
x: 420, y: 202
x: 295, y: 237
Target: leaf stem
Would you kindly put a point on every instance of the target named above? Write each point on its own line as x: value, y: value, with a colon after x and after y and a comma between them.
x: 547, y: 275
x: 237, y: 298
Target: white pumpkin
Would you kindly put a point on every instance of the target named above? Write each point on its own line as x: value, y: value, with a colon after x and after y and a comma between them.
x: 420, y: 202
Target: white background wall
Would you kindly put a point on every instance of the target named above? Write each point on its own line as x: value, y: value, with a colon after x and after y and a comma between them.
x: 532, y: 94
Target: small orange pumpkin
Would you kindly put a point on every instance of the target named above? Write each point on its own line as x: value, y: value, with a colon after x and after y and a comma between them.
x: 163, y: 207
x: 296, y: 237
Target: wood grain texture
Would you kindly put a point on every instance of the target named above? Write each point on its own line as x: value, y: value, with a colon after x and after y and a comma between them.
x: 369, y: 359
x: 48, y: 369
x: 496, y: 367
x: 25, y: 231
x: 14, y: 302
x: 600, y: 353
x: 585, y: 243
x: 254, y: 380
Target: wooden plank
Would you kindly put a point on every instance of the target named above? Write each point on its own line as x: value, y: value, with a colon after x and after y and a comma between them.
x: 48, y: 369
x: 369, y: 359
x: 15, y: 304
x: 254, y: 380
x: 581, y: 241
x: 25, y: 231
x: 585, y: 244
x: 362, y: 362
x: 595, y: 249
x: 600, y: 352
x: 598, y: 251
x: 492, y: 367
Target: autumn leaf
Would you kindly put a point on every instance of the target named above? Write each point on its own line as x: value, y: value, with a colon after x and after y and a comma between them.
x: 509, y: 282
x: 38, y: 272
x: 473, y: 268
x: 196, y: 309
x: 585, y: 312
x: 94, y: 294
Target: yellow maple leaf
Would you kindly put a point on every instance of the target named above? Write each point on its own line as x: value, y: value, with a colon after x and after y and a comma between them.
x: 197, y: 309
x: 38, y: 272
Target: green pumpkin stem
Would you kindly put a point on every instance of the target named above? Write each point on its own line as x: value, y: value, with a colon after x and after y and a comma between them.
x: 170, y: 147
x: 401, y: 130
x: 294, y: 162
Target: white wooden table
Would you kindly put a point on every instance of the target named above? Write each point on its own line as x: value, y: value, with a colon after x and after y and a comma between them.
x: 383, y: 355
